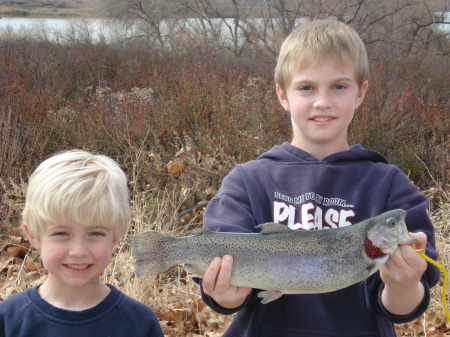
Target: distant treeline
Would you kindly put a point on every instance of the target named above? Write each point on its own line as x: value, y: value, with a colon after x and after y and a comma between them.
x: 407, y: 27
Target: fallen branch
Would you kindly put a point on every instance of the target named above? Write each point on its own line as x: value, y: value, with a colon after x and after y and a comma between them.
x: 195, y: 208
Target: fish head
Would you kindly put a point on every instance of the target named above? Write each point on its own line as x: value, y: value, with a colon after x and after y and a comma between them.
x: 389, y: 231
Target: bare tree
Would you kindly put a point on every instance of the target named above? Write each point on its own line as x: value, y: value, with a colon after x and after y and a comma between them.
x: 286, y: 13
x: 236, y: 26
x: 274, y: 20
x: 424, y: 31
x: 202, y: 22
x: 150, y: 16
x: 405, y: 26
x: 401, y: 26
x: 221, y: 24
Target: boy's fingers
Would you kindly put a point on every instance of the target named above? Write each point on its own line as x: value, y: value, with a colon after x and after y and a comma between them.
x: 405, y: 256
x: 224, y: 276
x: 422, y: 238
x: 210, y: 276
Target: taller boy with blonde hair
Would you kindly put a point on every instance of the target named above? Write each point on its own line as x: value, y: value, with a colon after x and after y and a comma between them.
x: 316, y: 182
x: 76, y: 211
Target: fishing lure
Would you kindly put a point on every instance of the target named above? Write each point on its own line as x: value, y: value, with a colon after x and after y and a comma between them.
x: 445, y: 281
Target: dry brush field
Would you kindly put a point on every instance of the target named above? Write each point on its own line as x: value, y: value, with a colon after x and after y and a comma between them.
x: 178, y: 124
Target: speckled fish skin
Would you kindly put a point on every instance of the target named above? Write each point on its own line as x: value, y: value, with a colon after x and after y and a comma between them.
x: 279, y: 260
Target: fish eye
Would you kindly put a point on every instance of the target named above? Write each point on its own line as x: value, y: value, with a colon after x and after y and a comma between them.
x: 391, y: 222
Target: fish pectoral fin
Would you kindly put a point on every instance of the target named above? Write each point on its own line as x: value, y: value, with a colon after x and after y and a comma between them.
x: 269, y: 295
x: 272, y: 227
x: 194, y: 270
x: 372, y: 265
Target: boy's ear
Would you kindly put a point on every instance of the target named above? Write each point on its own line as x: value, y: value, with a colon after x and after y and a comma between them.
x: 282, y: 98
x: 361, y: 93
x: 34, y: 241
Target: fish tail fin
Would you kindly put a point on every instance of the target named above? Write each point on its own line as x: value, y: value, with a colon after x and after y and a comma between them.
x: 149, y: 252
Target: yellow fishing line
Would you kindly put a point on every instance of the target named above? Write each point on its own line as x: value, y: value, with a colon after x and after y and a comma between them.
x: 444, y: 286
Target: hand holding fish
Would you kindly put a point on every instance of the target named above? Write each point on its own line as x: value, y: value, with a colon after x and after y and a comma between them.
x: 216, y: 283
x: 401, y: 274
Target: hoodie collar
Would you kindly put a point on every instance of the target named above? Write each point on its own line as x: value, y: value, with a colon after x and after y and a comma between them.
x: 287, y: 152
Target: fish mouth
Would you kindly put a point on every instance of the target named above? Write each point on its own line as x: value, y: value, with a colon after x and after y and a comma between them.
x: 388, y: 238
x: 409, y: 240
x: 392, y: 246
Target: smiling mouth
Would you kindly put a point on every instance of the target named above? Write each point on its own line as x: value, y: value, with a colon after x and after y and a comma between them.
x: 322, y: 119
x: 77, y: 266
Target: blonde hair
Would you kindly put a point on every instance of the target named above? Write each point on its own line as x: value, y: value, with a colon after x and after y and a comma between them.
x: 89, y: 189
x: 317, y: 41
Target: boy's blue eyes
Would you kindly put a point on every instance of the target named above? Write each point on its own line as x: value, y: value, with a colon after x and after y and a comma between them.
x: 309, y: 87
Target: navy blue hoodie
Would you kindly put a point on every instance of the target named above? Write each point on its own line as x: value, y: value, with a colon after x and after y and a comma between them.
x: 291, y: 187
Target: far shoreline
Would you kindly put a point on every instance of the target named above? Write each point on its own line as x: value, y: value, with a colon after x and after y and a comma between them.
x: 48, y: 12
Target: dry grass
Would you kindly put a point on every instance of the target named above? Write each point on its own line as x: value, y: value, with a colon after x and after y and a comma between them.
x: 173, y: 296
x: 433, y: 322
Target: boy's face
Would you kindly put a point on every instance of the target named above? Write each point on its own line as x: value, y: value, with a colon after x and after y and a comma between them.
x: 73, y: 254
x: 322, y: 99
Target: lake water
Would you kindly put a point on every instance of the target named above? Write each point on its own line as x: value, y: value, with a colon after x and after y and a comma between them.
x: 27, y: 22
x: 92, y: 30
x: 84, y: 30
x: 57, y: 29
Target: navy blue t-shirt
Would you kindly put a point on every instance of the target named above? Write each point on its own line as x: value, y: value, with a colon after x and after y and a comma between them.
x: 27, y: 314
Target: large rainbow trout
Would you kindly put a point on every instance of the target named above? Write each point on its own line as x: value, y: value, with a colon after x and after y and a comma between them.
x: 280, y: 260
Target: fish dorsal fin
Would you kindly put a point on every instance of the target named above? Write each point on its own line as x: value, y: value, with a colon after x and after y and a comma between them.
x: 272, y: 227
x: 201, y: 231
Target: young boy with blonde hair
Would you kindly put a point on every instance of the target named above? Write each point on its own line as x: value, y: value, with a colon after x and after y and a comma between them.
x: 76, y: 210
x: 316, y: 182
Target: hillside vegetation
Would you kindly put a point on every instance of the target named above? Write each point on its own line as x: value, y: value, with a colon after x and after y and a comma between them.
x: 178, y: 119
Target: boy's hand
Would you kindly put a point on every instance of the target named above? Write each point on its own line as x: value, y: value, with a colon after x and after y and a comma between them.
x: 216, y: 283
x: 401, y: 274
